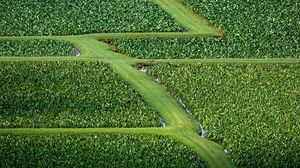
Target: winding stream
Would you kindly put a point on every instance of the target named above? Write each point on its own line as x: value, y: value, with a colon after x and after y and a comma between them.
x: 162, y: 122
x: 77, y: 53
x: 202, y: 130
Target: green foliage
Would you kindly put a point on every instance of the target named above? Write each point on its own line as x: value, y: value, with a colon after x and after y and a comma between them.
x: 254, y: 29
x: 69, y: 94
x: 253, y: 109
x: 103, y: 150
x: 36, y: 48
x: 64, y: 17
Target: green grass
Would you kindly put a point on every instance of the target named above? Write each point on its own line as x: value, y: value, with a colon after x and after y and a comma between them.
x: 155, y: 96
x: 86, y: 131
x: 187, y: 18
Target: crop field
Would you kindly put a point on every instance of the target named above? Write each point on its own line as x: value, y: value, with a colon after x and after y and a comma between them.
x: 150, y: 83
x: 256, y: 29
x: 69, y: 94
x: 104, y: 150
x: 36, y: 48
x: 253, y: 109
x: 63, y: 17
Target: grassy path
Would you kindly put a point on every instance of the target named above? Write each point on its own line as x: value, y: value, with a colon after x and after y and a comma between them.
x: 207, y: 150
x: 103, y: 36
x: 135, y: 61
x: 231, y: 60
x: 187, y: 18
x: 155, y: 95
x: 84, y: 131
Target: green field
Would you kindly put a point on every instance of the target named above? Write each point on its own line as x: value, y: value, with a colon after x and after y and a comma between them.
x: 256, y: 29
x: 32, y: 48
x: 69, y: 94
x: 63, y: 17
x: 99, y: 150
x: 75, y: 89
x: 253, y: 109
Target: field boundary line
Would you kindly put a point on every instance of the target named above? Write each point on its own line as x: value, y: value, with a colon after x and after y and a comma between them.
x: 112, y: 36
x: 84, y: 131
x: 221, y: 60
x: 107, y: 58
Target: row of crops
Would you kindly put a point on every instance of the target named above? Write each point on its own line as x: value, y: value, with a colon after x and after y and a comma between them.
x: 103, y: 150
x: 69, y: 94
x: 252, y: 109
x: 64, y: 17
x: 36, y: 47
x: 253, y: 29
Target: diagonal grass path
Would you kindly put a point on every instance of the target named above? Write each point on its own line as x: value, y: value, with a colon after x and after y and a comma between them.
x: 141, y: 35
x: 185, y: 129
x: 187, y: 18
x: 156, y: 96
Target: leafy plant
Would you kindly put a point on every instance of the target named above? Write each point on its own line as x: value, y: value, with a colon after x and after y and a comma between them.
x: 69, y: 94
x: 103, y: 150
x: 253, y: 109
x: 64, y: 17
x: 36, y: 48
x: 253, y: 29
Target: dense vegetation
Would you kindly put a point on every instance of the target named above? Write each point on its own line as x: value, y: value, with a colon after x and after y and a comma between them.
x: 36, y: 48
x: 254, y: 29
x: 69, y: 94
x: 110, y: 150
x: 253, y: 109
x: 64, y: 17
